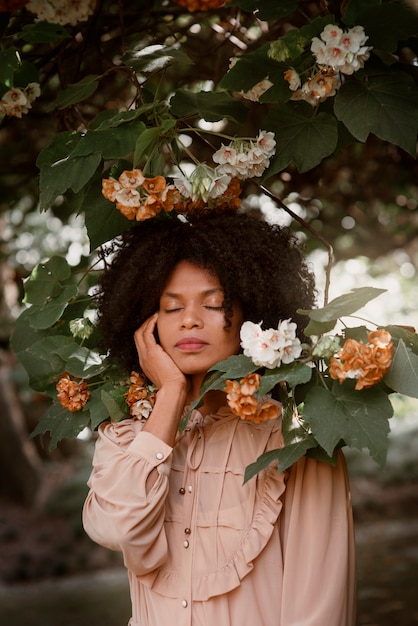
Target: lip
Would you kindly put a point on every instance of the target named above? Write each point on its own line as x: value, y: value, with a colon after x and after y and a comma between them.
x: 191, y: 344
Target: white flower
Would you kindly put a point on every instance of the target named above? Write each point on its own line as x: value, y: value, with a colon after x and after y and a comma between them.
x: 81, y: 327
x: 204, y: 182
x: 243, y: 158
x: 254, y: 94
x: 266, y: 142
x: 141, y: 408
x: 269, y: 348
x: 342, y: 50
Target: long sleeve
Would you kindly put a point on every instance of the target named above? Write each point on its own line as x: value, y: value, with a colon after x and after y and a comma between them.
x: 318, y: 546
x: 118, y: 512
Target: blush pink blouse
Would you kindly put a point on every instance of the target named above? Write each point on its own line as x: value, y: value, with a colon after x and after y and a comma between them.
x: 202, y: 548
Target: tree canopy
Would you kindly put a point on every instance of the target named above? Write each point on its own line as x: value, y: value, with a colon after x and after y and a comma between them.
x: 126, y: 110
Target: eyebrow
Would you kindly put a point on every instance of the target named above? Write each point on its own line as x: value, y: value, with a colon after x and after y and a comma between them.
x: 208, y: 292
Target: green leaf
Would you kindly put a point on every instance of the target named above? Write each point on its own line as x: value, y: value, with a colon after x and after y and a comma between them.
x: 266, y: 9
x: 81, y: 361
x: 61, y: 423
x: 77, y: 92
x: 41, y: 361
x: 253, y: 67
x: 111, y: 144
x: 318, y: 328
x: 360, y: 418
x: 285, y: 457
x: 209, y: 106
x: 9, y: 62
x: 292, y: 373
x: 295, y: 41
x: 43, y: 32
x: 45, y: 281
x: 112, y: 118
x: 344, y: 305
x: 402, y: 376
x: 45, y: 316
x: 103, y: 220
x: 66, y: 174
x: 386, y: 105
x: 385, y: 23
x: 112, y: 406
x: 235, y: 366
x: 146, y: 144
x: 155, y: 57
x: 301, y: 136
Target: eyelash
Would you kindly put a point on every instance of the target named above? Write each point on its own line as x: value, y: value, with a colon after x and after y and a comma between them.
x: 211, y: 308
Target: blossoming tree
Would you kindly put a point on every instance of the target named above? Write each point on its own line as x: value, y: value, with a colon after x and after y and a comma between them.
x: 159, y: 108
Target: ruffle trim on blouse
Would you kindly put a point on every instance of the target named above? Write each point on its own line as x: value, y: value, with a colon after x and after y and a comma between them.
x: 253, y: 541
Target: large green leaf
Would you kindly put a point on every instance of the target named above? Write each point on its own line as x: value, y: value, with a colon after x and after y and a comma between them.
x: 66, y: 174
x: 46, y: 280
x: 155, y: 57
x: 293, y: 373
x: 77, y: 92
x: 112, y: 406
x: 9, y: 62
x: 80, y: 361
x: 385, y: 23
x: 285, y: 457
x: 344, y: 305
x: 110, y: 143
x: 146, y: 144
x: 43, y: 32
x: 237, y: 366
x: 42, y: 362
x: 360, y: 418
x: 267, y: 9
x: 385, y: 105
x: 45, y: 316
x: 403, y: 373
x: 301, y: 136
x: 211, y: 107
x: 103, y: 221
x: 61, y: 423
x: 253, y: 67
x: 294, y: 42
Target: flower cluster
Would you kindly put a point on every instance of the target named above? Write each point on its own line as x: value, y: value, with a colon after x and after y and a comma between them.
x: 246, y: 158
x: 138, y: 197
x: 336, y: 52
x: 365, y: 362
x: 62, y: 11
x: 272, y: 347
x: 242, y: 400
x: 16, y: 102
x: 200, y: 5
x: 140, y: 397
x: 72, y: 394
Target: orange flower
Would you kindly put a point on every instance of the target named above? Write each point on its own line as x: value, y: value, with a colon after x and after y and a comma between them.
x: 72, y: 394
x: 138, y: 393
x: 154, y: 185
x: 200, y: 5
x: 242, y: 400
x: 367, y: 363
x: 250, y: 384
x: 267, y: 411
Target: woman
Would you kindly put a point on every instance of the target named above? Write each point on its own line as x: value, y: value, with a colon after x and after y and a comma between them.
x: 201, y: 547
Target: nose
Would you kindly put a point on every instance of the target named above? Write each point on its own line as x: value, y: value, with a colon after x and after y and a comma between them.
x: 191, y: 317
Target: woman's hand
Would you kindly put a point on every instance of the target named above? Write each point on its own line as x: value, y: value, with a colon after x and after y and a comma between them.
x: 156, y: 364
x: 172, y: 386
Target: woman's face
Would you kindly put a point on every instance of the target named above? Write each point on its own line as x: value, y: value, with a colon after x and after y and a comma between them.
x: 191, y: 322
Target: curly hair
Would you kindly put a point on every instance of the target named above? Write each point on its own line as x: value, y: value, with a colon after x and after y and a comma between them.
x: 258, y: 264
